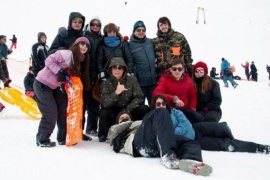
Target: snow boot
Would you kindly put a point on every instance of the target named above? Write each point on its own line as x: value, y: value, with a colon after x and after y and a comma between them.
x: 263, y: 148
x: 170, y: 161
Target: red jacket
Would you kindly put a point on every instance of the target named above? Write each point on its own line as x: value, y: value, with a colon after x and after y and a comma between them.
x: 184, y: 89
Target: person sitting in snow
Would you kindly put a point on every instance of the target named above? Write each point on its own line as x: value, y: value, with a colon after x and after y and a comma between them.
x: 28, y: 83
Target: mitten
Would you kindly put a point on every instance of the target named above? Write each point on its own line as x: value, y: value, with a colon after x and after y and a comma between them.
x: 120, y: 140
x: 102, y: 76
x: 61, y: 75
x: 62, y: 31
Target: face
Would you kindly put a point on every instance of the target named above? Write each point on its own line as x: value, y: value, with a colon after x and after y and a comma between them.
x: 43, y: 39
x: 117, y: 71
x: 111, y: 32
x: 163, y: 27
x: 3, y: 41
x: 76, y: 24
x: 160, y: 103
x: 199, y: 72
x: 83, y: 47
x: 95, y: 25
x: 177, y: 71
x: 140, y: 32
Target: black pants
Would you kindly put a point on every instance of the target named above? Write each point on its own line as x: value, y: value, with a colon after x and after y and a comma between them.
x: 214, y: 136
x: 212, y: 116
x: 108, y: 117
x: 5, y: 68
x: 52, y: 104
x: 192, y: 115
x: 156, y: 137
x: 91, y: 106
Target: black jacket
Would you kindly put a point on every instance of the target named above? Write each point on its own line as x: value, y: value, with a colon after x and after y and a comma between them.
x: 211, y: 100
x: 39, y: 54
x: 29, y: 81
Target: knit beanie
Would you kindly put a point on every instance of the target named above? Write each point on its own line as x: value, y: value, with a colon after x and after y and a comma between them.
x: 82, y: 39
x: 202, y: 65
x: 137, y: 25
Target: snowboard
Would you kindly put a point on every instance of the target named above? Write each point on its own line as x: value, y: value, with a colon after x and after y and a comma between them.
x: 74, y: 90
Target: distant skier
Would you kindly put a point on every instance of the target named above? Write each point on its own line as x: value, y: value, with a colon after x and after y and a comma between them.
x: 13, y: 42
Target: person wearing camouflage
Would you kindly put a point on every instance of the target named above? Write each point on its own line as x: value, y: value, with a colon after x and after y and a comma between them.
x: 170, y: 44
x: 121, y: 96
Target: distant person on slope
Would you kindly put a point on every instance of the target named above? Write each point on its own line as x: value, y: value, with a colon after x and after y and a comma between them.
x: 13, y: 42
x: 4, y: 52
x: 39, y: 53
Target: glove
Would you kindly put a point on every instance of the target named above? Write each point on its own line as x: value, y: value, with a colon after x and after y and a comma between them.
x: 70, y: 72
x: 102, y: 76
x: 61, y: 75
x: 119, y: 141
x: 130, y: 74
x: 62, y: 31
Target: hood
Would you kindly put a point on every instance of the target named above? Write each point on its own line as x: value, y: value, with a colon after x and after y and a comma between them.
x: 72, y: 16
x: 118, y: 61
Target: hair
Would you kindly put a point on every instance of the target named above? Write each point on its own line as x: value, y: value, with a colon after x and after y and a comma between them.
x: 206, y: 83
x: 160, y: 96
x: 2, y: 37
x: 81, y: 69
x: 177, y: 61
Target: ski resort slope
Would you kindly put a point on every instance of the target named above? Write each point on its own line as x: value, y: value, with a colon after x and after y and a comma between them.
x: 235, y: 29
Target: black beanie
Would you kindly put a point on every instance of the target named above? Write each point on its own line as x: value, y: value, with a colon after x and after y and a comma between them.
x: 137, y: 25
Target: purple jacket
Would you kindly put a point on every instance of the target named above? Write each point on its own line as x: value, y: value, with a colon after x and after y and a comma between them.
x: 61, y: 59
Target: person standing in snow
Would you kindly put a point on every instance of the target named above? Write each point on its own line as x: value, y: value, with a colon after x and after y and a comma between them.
x: 13, y: 42
x: 226, y: 74
x: 50, y: 97
x: 4, y: 52
x: 39, y: 53
x: 169, y: 45
x: 253, y: 72
x: 246, y: 66
x: 28, y: 83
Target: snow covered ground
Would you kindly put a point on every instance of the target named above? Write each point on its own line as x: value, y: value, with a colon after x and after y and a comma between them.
x: 237, y: 30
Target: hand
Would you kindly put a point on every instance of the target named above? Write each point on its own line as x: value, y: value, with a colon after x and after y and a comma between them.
x: 102, y: 76
x: 3, y: 59
x: 124, y: 117
x: 120, y: 88
x: 179, y: 103
x: 61, y: 75
x: 130, y: 74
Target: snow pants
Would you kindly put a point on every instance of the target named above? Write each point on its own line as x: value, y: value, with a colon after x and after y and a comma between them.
x: 155, y: 138
x: 52, y: 104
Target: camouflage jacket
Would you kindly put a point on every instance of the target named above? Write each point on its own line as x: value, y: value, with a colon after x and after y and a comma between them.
x: 169, y: 46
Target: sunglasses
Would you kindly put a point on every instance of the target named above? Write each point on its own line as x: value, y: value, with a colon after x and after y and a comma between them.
x: 112, y: 31
x: 140, y: 30
x: 84, y: 44
x: 95, y: 24
x: 158, y: 104
x: 199, y: 70
x: 118, y: 67
x: 177, y: 68
x: 75, y: 22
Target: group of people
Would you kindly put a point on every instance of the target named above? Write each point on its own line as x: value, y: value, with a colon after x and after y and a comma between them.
x: 252, y: 73
x: 184, y: 112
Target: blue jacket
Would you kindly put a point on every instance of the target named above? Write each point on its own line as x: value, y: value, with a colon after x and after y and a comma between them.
x: 181, y: 124
x: 225, y: 66
x: 144, y: 60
